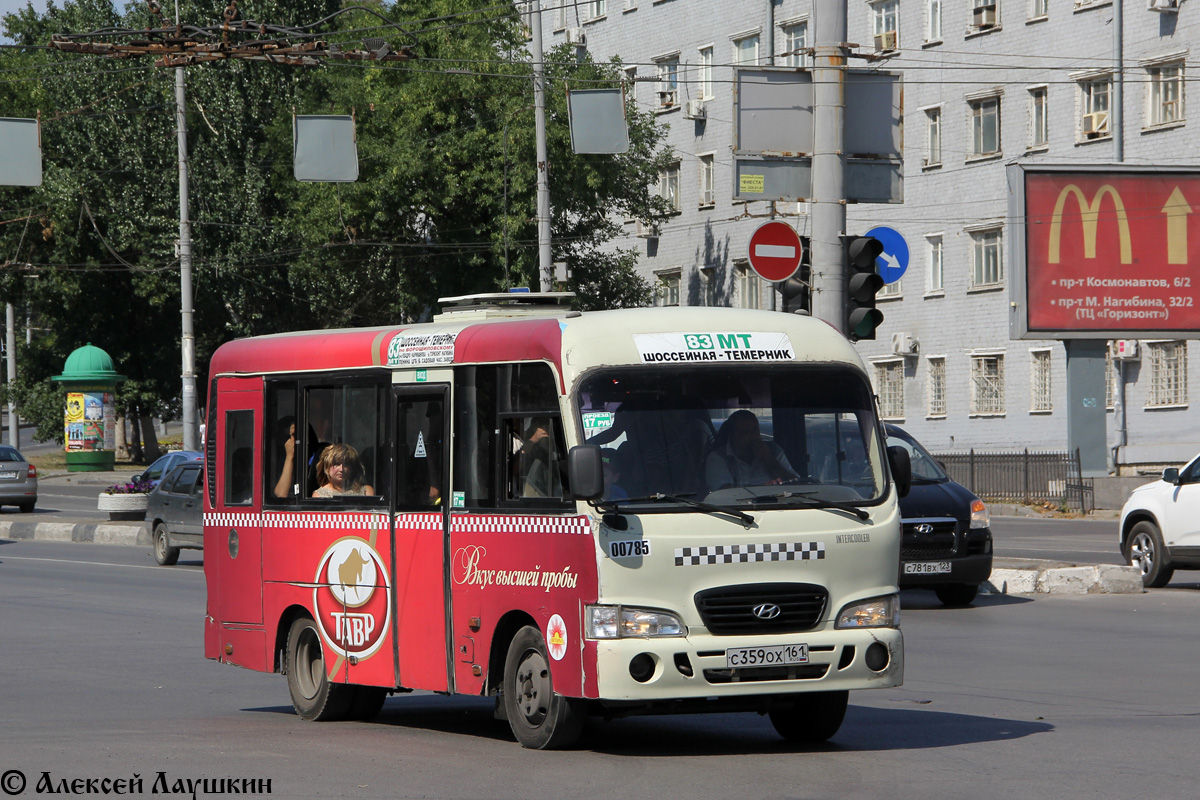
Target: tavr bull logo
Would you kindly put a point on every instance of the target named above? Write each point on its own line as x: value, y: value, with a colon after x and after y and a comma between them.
x: 1089, y: 216
x: 353, y: 612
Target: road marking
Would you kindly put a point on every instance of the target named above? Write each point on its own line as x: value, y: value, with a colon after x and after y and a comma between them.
x: 4, y: 557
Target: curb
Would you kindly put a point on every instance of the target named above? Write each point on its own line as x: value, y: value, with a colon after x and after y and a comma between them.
x: 89, y: 532
x: 1030, y: 576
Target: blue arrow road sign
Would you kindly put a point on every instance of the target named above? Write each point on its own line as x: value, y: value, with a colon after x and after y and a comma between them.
x: 893, y: 261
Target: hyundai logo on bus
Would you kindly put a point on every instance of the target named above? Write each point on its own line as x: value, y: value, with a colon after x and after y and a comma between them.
x: 767, y: 611
x: 924, y: 527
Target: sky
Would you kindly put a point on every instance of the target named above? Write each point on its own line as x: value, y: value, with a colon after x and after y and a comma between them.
x: 9, y: 6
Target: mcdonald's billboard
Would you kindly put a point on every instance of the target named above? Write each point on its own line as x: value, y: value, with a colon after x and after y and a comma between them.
x: 1105, y: 252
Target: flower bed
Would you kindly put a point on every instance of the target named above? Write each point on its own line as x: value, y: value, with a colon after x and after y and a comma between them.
x: 125, y: 501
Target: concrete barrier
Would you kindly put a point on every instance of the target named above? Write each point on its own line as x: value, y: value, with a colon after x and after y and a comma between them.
x: 1030, y: 576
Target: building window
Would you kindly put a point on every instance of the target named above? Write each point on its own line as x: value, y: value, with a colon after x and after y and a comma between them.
x: 933, y: 21
x: 795, y: 41
x: 1039, y: 130
x: 933, y: 136
x: 1039, y: 8
x: 706, y: 73
x: 937, y: 387
x: 710, y: 287
x: 889, y: 385
x: 707, y: 195
x: 1039, y: 382
x: 987, y: 264
x: 668, y: 288
x: 745, y: 51
x: 668, y: 82
x: 631, y: 5
x: 560, y: 16
x: 933, y: 247
x: 668, y: 186
x: 1094, y: 96
x: 1166, y: 94
x: 1168, y: 373
x: 890, y: 290
x: 749, y: 287
x: 631, y: 79
x: 985, y: 15
x: 985, y: 126
x: 987, y: 384
x: 597, y: 8
x: 886, y: 24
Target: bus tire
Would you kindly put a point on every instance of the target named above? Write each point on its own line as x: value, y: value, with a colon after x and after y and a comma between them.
x: 164, y: 554
x: 314, y: 696
x: 539, y: 718
x: 367, y: 702
x: 810, y: 718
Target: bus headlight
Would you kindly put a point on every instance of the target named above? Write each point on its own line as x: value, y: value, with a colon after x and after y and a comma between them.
x: 980, y: 518
x: 624, y: 622
x: 879, y: 612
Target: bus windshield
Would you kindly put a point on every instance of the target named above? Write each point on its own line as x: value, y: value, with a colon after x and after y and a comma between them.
x: 752, y: 436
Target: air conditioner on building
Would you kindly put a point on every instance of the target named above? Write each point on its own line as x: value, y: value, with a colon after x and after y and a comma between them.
x: 644, y: 231
x: 1095, y: 123
x: 576, y: 36
x: 1126, y: 349
x: 985, y: 16
x: 1169, y: 6
x: 695, y: 109
x: 885, y: 41
x: 903, y: 344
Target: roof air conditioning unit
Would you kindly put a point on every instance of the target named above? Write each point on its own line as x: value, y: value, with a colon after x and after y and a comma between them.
x: 885, y: 41
x: 575, y: 36
x: 695, y: 109
x: 903, y: 344
x: 1169, y: 6
x: 1095, y: 124
x: 1126, y: 349
x: 985, y: 16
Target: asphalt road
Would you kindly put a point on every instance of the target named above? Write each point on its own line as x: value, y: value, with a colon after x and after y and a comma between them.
x: 1058, y: 696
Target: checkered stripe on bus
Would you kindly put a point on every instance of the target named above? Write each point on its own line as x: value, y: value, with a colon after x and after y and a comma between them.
x: 293, y: 520
x: 420, y: 522
x: 497, y: 523
x: 742, y: 553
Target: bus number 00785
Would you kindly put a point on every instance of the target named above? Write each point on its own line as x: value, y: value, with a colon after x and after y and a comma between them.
x: 629, y: 549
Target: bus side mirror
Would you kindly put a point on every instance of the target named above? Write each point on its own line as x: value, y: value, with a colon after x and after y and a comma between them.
x: 901, y: 469
x: 585, y: 472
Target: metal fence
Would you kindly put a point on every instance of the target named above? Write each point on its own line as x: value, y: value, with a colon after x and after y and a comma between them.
x: 1024, y: 476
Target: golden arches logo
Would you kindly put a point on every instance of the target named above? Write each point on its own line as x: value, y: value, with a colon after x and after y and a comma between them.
x: 1089, y: 216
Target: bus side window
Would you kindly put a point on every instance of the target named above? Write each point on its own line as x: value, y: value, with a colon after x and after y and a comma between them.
x: 239, y: 454
x: 344, y: 414
x: 280, y: 474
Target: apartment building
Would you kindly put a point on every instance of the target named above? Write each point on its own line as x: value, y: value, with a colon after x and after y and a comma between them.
x: 987, y: 83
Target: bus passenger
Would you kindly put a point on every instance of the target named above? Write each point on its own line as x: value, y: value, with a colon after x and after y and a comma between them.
x: 740, y: 456
x: 340, y: 472
x: 613, y: 490
x: 285, y: 484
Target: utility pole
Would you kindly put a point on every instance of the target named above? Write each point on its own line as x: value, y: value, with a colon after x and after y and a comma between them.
x: 10, y: 342
x: 829, y: 163
x: 545, y: 260
x: 191, y: 422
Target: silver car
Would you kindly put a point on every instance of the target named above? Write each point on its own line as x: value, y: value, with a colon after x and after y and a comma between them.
x: 175, y: 512
x: 18, y: 480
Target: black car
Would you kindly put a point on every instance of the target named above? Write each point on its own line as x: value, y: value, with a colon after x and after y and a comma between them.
x: 175, y: 512
x: 947, y: 536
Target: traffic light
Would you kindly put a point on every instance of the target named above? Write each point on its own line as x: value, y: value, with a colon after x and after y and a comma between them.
x: 862, y: 282
x: 797, y: 290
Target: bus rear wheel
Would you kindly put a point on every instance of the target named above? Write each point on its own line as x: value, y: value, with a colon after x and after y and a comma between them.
x: 314, y: 696
x: 810, y: 718
x: 539, y: 718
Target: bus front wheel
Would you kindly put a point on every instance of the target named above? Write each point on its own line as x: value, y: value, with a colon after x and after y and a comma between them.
x: 314, y: 697
x: 540, y: 719
x: 811, y: 718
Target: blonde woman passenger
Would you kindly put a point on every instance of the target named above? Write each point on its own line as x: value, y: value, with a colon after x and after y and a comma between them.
x: 340, y: 472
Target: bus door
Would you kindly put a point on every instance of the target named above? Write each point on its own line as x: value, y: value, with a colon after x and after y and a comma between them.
x: 235, y: 550
x: 420, y: 541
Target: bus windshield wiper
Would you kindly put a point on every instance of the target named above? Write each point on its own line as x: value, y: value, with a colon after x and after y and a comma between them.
x: 812, y: 502
x: 720, y: 512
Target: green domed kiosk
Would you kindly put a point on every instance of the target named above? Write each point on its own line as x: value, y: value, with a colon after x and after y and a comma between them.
x: 90, y: 416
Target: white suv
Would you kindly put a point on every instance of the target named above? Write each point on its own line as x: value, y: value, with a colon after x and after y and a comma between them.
x: 1160, y: 525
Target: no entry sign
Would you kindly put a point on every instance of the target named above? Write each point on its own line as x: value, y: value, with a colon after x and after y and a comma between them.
x: 775, y: 251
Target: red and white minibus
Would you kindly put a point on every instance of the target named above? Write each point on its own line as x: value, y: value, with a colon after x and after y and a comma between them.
x: 642, y: 511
